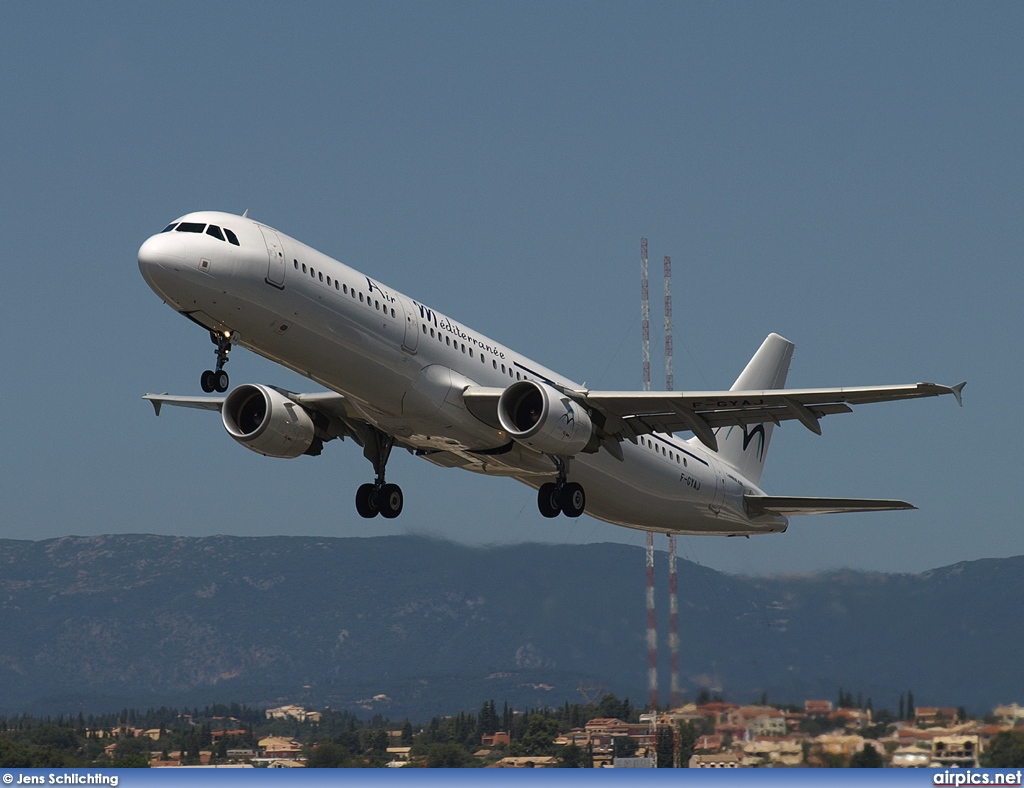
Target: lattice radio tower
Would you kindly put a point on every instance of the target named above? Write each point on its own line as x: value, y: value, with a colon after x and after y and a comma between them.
x: 673, y: 580
x: 652, y: 630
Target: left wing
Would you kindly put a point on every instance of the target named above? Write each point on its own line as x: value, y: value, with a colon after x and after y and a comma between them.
x: 335, y: 416
x: 200, y: 403
x: 629, y: 414
x: 327, y: 403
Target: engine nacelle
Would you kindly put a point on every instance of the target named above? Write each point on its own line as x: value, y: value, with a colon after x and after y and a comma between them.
x: 267, y: 422
x: 544, y: 419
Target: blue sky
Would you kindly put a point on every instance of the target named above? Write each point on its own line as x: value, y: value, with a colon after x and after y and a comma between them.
x: 848, y: 175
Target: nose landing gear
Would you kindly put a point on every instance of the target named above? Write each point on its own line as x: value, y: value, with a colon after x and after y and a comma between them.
x: 379, y: 497
x: 217, y: 379
x: 561, y: 496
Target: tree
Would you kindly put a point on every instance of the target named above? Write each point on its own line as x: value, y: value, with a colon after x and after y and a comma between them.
x: 687, y: 740
x: 446, y: 756
x: 1006, y: 750
x: 903, y: 710
x: 665, y: 747
x: 910, y: 705
x: 624, y: 747
x: 377, y: 743
x: 131, y: 754
x: 867, y: 758
x: 327, y: 755
x: 572, y: 756
x: 407, y: 734
x: 611, y: 706
x: 539, y: 736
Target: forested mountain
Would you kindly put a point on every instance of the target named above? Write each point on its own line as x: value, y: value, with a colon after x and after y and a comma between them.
x: 407, y: 626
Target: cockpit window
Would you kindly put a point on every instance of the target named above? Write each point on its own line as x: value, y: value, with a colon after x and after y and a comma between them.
x: 169, y: 227
x: 232, y: 238
x: 191, y: 227
x: 214, y: 230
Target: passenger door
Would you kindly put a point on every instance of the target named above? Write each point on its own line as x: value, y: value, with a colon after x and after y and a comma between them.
x: 275, y: 254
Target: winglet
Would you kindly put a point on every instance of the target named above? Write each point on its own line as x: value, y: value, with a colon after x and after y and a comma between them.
x: 957, y: 389
x: 157, y: 403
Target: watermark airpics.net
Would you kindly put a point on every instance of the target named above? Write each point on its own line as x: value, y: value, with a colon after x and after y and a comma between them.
x: 957, y: 777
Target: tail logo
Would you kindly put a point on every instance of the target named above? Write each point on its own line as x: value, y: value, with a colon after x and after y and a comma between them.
x: 749, y: 435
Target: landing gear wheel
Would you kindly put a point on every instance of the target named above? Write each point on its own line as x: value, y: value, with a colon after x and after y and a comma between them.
x: 390, y: 500
x: 548, y: 500
x: 220, y: 381
x: 366, y: 501
x: 208, y: 381
x: 573, y: 500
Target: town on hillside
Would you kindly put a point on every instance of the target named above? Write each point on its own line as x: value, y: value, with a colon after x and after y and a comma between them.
x: 710, y: 733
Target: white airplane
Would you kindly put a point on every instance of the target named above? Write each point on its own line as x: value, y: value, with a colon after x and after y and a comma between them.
x: 402, y: 374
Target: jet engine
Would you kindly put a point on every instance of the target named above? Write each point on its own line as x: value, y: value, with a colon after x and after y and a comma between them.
x: 267, y: 422
x: 544, y: 419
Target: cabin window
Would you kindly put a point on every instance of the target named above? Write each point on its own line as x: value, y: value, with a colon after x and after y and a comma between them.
x: 360, y: 298
x: 448, y: 341
x: 392, y: 313
x: 424, y: 328
x: 191, y: 227
x: 296, y: 264
x: 328, y: 281
x: 336, y: 285
x: 303, y: 268
x: 494, y: 363
x: 471, y: 352
x: 321, y: 275
x: 518, y: 377
x: 344, y: 289
x: 232, y: 238
x: 502, y: 369
x: 214, y: 230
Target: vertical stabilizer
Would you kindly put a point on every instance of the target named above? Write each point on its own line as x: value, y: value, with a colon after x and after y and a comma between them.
x: 745, y: 448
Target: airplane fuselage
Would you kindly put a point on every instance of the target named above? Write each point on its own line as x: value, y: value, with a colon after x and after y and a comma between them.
x: 404, y: 366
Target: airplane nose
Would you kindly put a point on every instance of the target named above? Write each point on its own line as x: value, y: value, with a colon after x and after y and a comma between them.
x: 158, y: 255
x: 160, y: 250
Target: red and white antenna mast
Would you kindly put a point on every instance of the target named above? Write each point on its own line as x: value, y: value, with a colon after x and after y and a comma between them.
x: 652, y: 631
x: 668, y: 324
x: 645, y: 315
x: 673, y: 581
x: 673, y: 618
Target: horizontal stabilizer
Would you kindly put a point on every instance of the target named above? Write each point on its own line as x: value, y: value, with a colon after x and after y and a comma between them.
x: 789, y: 505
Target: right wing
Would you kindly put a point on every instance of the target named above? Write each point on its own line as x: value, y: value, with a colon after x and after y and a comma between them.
x: 630, y: 414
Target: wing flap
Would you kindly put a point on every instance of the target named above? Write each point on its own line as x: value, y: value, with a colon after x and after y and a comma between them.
x: 789, y: 505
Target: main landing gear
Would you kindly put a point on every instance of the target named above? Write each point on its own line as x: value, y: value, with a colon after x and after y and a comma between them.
x: 217, y: 380
x: 379, y: 497
x: 561, y: 496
